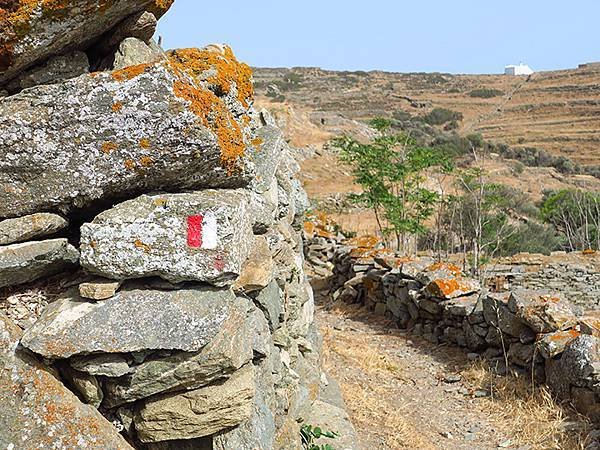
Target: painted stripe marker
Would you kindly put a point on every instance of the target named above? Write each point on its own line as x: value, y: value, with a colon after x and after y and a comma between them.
x: 202, y: 231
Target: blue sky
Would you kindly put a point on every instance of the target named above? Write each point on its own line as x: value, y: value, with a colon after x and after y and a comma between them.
x: 457, y: 36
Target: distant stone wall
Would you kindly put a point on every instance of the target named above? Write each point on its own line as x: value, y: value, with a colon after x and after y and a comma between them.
x: 575, y: 275
x: 537, y: 331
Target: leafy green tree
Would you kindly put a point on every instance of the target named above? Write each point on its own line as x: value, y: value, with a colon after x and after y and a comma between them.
x: 391, y: 171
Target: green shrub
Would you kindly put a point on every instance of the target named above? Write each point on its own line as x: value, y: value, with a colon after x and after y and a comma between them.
x: 440, y: 116
x: 310, y: 434
x: 485, y: 93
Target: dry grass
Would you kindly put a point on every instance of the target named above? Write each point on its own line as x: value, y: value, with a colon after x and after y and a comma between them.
x: 368, y: 397
x: 529, y: 414
x: 384, y: 420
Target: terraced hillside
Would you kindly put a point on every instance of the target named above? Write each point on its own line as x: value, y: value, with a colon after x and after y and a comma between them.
x: 556, y: 111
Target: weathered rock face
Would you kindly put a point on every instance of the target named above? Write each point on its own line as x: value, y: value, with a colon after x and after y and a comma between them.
x: 55, y: 70
x: 198, y: 413
x: 33, y: 31
x: 133, y: 320
x: 25, y: 262
x: 225, y: 353
x: 30, y: 227
x: 39, y: 410
x: 132, y: 51
x: 202, y: 236
x: 141, y: 128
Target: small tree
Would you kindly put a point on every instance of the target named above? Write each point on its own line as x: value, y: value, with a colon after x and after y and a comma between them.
x: 391, y: 169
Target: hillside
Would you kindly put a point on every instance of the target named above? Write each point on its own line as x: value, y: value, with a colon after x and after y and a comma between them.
x: 557, y: 111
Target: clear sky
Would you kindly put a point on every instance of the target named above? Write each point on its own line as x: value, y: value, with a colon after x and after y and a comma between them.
x: 457, y: 36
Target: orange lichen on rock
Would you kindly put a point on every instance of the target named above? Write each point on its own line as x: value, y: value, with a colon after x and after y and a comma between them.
x: 145, y: 143
x: 367, y: 241
x: 109, y: 147
x: 589, y: 251
x: 139, y: 244
x: 447, y: 286
x: 257, y: 142
x: 130, y: 72
x: 117, y: 106
x: 453, y: 269
x: 219, y: 68
x: 159, y: 7
x: 129, y: 164
x: 146, y: 161
x: 562, y: 335
x: 214, y: 114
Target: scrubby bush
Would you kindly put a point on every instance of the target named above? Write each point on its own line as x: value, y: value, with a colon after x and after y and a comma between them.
x: 485, y: 93
x: 440, y: 116
x: 530, y: 237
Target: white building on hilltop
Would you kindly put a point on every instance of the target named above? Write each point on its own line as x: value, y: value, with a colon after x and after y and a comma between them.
x: 521, y: 69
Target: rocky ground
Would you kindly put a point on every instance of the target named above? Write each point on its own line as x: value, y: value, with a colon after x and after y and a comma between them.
x: 403, y: 392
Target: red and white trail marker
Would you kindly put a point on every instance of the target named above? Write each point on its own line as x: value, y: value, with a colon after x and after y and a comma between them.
x: 202, y: 231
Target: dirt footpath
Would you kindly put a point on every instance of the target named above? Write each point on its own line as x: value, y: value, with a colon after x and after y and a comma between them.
x: 405, y: 393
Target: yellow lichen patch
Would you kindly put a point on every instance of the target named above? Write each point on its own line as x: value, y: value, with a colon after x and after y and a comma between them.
x: 109, y: 147
x: 159, y: 7
x: 161, y: 202
x: 139, y: 244
x: 227, y: 70
x: 145, y: 143
x: 146, y: 161
x: 129, y: 164
x: 257, y: 142
x: 589, y: 251
x: 117, y: 106
x: 130, y: 72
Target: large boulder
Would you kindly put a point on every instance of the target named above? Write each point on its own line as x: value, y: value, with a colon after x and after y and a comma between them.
x: 199, y: 236
x: 133, y: 320
x: 29, y: 261
x: 106, y: 136
x: 38, y: 411
x: 198, y: 413
x: 32, y: 31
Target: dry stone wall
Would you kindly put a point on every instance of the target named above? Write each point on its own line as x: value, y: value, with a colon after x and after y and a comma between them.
x: 164, y: 211
x: 537, y: 332
x: 576, y: 275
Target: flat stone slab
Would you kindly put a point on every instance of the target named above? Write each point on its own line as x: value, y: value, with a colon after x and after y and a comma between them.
x: 450, y: 287
x: 257, y: 271
x: 30, y: 227
x: 38, y: 411
x: 226, y: 352
x: 133, y: 320
x: 201, y: 236
x: 198, y: 413
x: 99, y: 289
x: 26, y: 262
x: 542, y: 310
